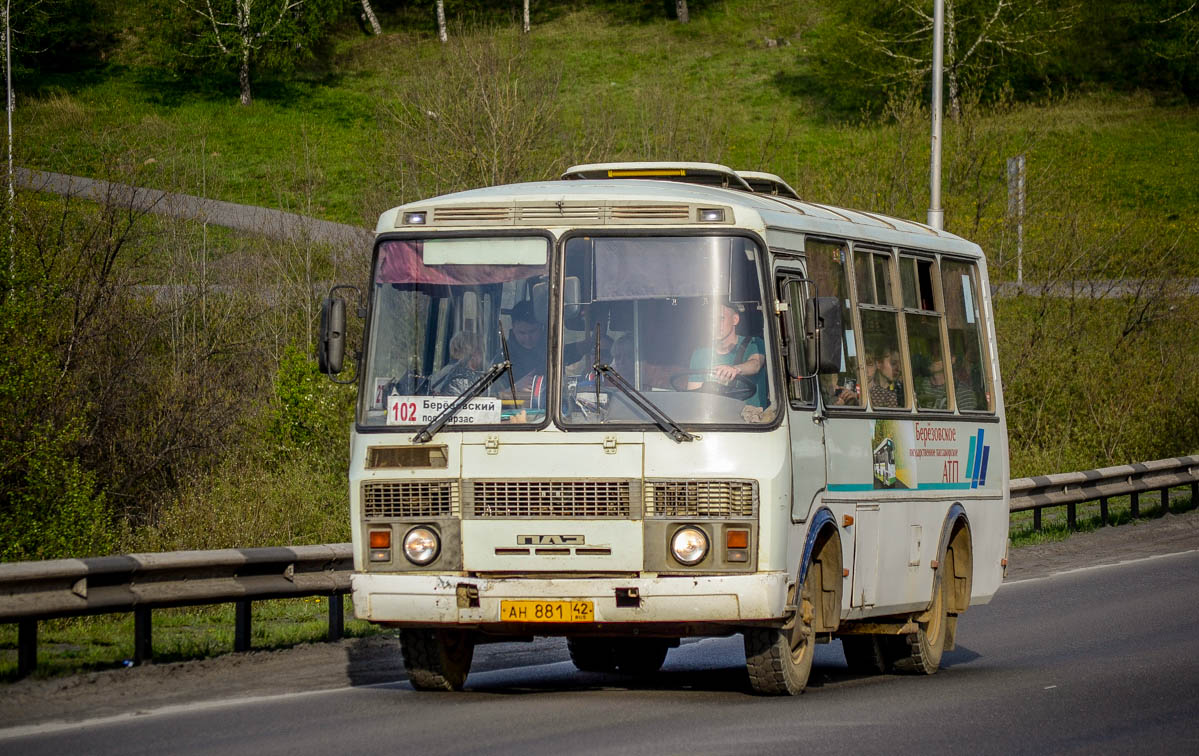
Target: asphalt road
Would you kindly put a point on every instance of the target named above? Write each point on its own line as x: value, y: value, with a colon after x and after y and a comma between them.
x: 1099, y: 660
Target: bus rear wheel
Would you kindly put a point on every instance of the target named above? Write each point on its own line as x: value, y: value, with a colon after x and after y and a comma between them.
x: 779, y: 660
x: 437, y: 659
x: 919, y: 653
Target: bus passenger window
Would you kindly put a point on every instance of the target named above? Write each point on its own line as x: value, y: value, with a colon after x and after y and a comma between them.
x: 923, y: 317
x: 884, y: 363
x: 967, y: 349
x: 826, y: 268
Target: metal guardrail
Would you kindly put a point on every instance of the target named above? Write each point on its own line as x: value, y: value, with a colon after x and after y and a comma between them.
x: 139, y: 583
x: 1073, y: 488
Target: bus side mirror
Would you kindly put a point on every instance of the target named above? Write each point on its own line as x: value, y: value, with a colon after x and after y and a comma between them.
x: 331, y: 338
x: 824, y: 333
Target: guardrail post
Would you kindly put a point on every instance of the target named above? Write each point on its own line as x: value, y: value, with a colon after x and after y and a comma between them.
x: 1036, y: 519
x: 241, y: 626
x: 143, y: 643
x: 1134, y: 504
x: 1195, y: 494
x: 1103, y: 510
x: 1071, y: 516
x: 337, y: 617
x: 1165, y: 501
x: 26, y: 647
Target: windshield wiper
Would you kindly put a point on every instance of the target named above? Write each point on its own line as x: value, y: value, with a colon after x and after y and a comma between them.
x: 425, y: 434
x: 660, y: 418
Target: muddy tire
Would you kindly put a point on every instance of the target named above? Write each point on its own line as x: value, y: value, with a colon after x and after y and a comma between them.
x: 919, y: 653
x: 779, y: 660
x: 865, y: 654
x: 437, y: 659
x: 592, y: 654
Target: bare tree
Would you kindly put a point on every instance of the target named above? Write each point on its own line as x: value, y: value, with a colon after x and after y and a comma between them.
x: 525, y: 26
x: 441, y: 33
x: 242, y: 34
x: 370, y: 17
x: 978, y: 33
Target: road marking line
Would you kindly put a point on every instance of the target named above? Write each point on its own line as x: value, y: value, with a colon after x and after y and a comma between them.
x: 1077, y: 570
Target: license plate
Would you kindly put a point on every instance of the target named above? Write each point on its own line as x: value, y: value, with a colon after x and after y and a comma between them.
x: 547, y: 611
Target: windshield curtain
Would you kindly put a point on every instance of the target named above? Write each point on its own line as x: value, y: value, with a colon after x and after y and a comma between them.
x: 680, y: 318
x: 438, y: 308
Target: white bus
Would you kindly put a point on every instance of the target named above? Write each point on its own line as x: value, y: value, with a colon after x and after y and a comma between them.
x: 646, y: 402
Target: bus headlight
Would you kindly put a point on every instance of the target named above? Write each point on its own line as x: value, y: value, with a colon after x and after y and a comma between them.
x: 421, y: 545
x: 689, y: 545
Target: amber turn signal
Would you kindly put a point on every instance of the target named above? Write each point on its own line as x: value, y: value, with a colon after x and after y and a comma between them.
x: 380, y: 539
x: 737, y: 539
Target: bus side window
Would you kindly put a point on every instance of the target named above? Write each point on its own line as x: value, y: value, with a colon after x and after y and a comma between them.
x: 885, y: 381
x: 971, y: 379
x: 827, y: 261
x: 922, y: 318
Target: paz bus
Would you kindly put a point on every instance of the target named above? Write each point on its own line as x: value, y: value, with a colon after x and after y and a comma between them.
x: 651, y: 401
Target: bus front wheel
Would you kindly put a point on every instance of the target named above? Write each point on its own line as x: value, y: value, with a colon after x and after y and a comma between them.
x: 779, y: 660
x: 437, y: 659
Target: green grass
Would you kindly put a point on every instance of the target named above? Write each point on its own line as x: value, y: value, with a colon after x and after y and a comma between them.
x: 90, y: 644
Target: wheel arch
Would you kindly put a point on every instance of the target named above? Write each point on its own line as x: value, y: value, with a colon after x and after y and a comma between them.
x: 956, y: 550
x: 823, y: 546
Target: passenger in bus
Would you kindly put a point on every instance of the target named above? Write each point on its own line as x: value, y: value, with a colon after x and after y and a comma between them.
x: 884, y: 386
x: 466, y: 353
x: 526, y: 345
x: 932, y: 393
x: 732, y: 355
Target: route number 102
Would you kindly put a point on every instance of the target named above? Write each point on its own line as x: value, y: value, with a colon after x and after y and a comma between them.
x: 399, y: 411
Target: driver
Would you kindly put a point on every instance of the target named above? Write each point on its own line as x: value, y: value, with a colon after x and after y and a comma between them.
x: 732, y: 355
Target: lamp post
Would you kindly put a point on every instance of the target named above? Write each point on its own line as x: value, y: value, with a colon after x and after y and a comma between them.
x: 936, y: 215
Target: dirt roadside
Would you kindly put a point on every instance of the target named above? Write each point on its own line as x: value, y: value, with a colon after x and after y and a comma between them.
x: 377, y: 660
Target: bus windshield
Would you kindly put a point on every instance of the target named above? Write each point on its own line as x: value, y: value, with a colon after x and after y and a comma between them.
x: 438, y: 309
x: 680, y: 319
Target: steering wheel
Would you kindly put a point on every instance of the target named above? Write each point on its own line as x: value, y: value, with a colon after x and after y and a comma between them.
x: 740, y: 388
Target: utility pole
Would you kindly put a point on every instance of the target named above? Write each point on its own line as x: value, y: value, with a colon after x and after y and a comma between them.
x: 1015, y: 209
x: 936, y: 215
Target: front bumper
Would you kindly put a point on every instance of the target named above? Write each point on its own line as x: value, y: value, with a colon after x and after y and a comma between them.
x: 437, y: 600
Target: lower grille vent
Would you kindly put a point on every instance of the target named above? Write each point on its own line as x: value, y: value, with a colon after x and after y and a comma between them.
x: 720, y: 499
x: 410, y: 498
x: 551, y: 498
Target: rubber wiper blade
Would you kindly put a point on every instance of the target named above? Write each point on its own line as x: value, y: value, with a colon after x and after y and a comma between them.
x: 661, y: 419
x: 425, y: 434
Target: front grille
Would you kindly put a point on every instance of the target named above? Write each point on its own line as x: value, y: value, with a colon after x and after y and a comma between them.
x: 701, y: 498
x: 550, y: 498
x: 407, y: 499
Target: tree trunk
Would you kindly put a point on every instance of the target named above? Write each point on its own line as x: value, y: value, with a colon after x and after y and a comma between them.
x: 243, y: 75
x: 441, y: 34
x: 680, y: 10
x: 526, y: 17
x: 370, y: 17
